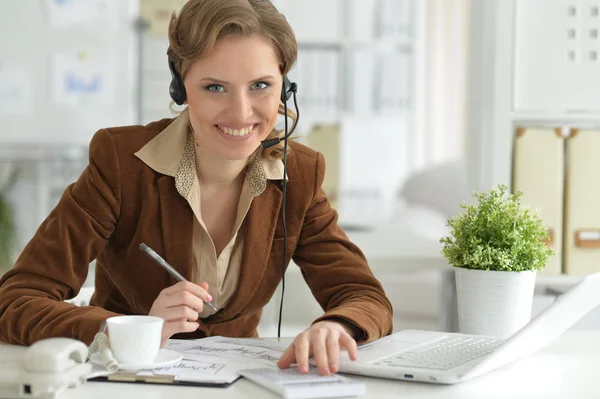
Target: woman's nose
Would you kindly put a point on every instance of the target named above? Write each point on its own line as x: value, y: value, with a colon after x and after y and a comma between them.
x: 241, y: 107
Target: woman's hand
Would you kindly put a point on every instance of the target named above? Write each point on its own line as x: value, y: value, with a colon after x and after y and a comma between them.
x: 323, y: 341
x: 179, y: 306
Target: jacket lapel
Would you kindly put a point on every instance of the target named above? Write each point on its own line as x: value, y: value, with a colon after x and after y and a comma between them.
x: 177, y: 224
x: 260, y: 225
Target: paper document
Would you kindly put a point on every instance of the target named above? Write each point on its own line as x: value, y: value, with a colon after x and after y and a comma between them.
x: 257, y: 361
x: 200, y: 371
x: 214, y: 360
x: 244, y: 350
x: 210, y: 370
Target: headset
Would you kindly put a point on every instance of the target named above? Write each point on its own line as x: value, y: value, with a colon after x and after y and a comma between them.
x: 288, y: 89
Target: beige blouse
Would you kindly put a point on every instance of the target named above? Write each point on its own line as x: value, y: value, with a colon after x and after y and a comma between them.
x: 176, y: 157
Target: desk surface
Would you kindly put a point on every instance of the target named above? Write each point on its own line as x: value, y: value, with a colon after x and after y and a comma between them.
x: 565, y: 369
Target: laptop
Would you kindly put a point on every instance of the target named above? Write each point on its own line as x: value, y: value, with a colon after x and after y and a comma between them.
x: 450, y: 358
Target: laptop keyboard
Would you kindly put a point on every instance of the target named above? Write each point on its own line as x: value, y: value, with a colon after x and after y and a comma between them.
x: 443, y: 354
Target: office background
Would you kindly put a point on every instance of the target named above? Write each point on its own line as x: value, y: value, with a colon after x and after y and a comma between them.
x: 413, y: 102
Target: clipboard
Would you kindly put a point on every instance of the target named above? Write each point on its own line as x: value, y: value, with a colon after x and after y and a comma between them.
x: 159, y: 379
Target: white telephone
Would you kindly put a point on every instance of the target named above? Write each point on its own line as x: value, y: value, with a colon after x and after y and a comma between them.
x: 44, y: 369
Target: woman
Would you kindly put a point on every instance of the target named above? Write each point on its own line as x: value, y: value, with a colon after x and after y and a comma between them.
x: 200, y: 191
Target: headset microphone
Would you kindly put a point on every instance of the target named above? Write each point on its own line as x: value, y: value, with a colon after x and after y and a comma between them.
x: 270, y: 143
x: 288, y: 89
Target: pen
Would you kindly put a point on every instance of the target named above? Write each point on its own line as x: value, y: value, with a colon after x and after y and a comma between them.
x: 169, y: 268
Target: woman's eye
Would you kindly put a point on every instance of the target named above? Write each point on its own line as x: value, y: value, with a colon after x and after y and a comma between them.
x: 215, y: 88
x: 260, y: 85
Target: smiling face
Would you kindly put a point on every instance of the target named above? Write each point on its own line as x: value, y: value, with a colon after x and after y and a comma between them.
x: 233, y: 95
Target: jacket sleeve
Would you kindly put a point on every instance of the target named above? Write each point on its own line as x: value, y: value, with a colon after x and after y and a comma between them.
x: 55, y: 262
x: 336, y: 270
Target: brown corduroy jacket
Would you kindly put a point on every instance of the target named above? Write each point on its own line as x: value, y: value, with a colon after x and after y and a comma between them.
x: 119, y: 202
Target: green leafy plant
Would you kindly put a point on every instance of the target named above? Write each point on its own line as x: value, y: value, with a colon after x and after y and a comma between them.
x: 7, y: 223
x: 497, y: 233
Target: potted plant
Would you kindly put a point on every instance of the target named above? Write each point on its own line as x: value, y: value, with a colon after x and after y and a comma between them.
x: 496, y: 246
x: 7, y: 222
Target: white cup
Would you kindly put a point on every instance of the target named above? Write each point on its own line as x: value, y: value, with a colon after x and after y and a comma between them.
x: 135, y: 340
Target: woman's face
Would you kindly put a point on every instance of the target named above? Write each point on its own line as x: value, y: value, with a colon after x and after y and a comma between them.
x: 233, y: 94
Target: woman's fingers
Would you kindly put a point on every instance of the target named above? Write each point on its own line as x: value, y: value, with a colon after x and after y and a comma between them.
x: 201, y: 291
x: 302, y: 352
x: 322, y: 342
x: 179, y: 326
x: 183, y: 293
x: 319, y: 350
x: 182, y: 298
x: 350, y: 344
x: 173, y: 327
x: 179, y: 306
x: 288, y: 357
x: 179, y: 312
x: 333, y: 351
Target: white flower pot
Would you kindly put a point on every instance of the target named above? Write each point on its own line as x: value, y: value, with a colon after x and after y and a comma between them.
x: 493, y: 303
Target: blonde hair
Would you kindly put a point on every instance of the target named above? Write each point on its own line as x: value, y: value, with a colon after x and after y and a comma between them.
x: 201, y: 23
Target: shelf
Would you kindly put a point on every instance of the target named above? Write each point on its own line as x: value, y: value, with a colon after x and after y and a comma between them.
x: 560, y: 279
x: 27, y: 151
x: 382, y: 45
x: 549, y: 119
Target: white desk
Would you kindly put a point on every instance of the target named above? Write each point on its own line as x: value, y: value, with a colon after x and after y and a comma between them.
x: 568, y: 368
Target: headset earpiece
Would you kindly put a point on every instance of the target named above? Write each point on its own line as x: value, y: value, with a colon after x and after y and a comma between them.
x: 286, y: 89
x: 176, y: 88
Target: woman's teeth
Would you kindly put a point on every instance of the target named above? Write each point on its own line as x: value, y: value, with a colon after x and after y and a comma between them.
x: 234, y: 132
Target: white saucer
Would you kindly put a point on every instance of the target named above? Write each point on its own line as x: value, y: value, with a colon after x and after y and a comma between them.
x: 165, y: 357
